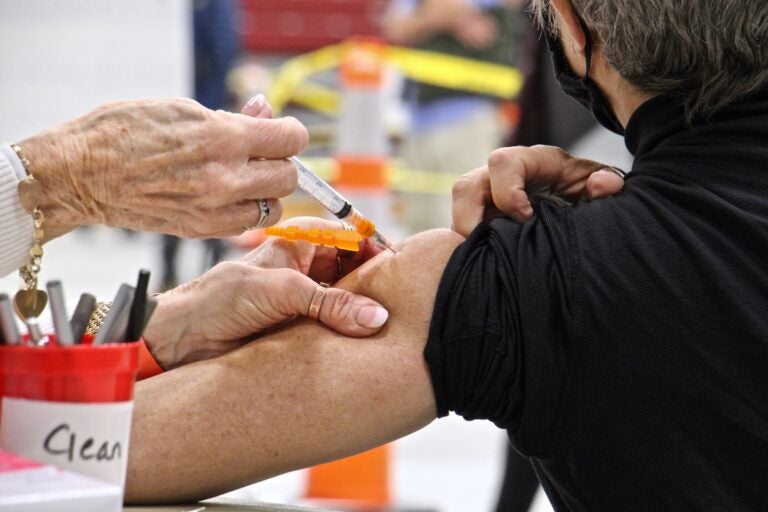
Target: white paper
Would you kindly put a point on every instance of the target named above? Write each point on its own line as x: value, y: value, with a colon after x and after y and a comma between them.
x: 91, y: 439
x: 47, y: 489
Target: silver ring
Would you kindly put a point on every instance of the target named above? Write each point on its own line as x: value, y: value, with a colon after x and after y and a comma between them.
x: 264, y: 207
x: 263, y: 218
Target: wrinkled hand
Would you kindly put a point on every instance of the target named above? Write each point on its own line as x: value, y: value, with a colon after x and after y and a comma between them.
x: 170, y: 166
x: 513, y: 174
x: 234, y: 301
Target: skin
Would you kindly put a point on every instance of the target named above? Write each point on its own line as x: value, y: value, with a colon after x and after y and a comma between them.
x: 500, y: 185
x: 227, y: 306
x: 302, y: 395
x: 298, y: 396
x: 504, y: 185
x: 173, y: 166
x: 170, y: 166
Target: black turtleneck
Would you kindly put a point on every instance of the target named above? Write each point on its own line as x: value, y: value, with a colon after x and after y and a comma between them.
x: 623, y: 343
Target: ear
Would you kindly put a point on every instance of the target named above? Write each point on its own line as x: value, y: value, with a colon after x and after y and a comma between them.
x: 570, y: 19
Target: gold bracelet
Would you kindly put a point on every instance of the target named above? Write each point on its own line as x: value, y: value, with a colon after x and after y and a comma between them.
x: 30, y: 301
x: 97, y: 318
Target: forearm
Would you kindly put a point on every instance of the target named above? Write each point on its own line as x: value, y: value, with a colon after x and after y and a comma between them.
x: 53, y: 156
x: 277, y: 405
x: 297, y: 397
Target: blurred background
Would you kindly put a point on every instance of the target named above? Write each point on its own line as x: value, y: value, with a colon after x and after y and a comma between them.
x: 374, y: 96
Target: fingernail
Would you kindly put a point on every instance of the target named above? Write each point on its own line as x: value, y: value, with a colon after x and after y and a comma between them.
x: 257, y: 101
x: 372, y: 317
x: 614, y: 171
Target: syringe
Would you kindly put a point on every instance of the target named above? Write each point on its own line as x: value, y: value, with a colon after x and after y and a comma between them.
x: 335, y: 203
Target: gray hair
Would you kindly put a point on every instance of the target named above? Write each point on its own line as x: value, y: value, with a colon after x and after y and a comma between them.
x: 714, y: 52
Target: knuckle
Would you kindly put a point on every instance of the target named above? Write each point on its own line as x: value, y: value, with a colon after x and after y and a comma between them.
x: 282, y: 137
x: 283, y: 178
x: 340, y: 306
x: 555, y: 151
x: 228, y: 268
x: 464, y: 185
x: 296, y: 133
x: 502, y: 157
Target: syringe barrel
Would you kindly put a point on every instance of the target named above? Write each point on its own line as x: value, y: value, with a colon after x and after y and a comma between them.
x: 320, y: 190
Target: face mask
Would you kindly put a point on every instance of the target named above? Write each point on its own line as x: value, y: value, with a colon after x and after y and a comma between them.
x: 583, y: 90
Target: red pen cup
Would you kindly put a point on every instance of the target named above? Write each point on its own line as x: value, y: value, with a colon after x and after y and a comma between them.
x: 69, y: 406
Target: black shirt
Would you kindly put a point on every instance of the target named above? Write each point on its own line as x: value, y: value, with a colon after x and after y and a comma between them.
x: 623, y: 343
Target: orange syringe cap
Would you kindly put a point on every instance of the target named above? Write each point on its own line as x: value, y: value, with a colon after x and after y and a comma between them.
x: 338, y: 238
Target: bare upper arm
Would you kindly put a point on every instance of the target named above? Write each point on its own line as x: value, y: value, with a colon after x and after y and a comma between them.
x: 296, y: 397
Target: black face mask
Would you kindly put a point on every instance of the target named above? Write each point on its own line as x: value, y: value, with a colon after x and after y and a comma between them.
x: 583, y: 90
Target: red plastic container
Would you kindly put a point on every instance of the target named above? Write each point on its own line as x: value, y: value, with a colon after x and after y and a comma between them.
x: 69, y: 406
x: 81, y: 373
x: 295, y: 26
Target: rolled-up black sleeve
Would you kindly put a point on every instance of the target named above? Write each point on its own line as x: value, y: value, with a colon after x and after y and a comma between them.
x: 502, y: 337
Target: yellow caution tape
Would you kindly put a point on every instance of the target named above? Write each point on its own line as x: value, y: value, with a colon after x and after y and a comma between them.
x: 401, y: 178
x: 438, y: 69
x: 410, y: 181
x: 457, y: 72
x: 316, y: 97
x: 297, y: 70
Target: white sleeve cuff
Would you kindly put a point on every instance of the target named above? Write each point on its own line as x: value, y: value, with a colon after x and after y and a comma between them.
x: 16, y: 225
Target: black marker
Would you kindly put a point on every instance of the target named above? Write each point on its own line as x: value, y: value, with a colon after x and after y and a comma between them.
x: 138, y: 307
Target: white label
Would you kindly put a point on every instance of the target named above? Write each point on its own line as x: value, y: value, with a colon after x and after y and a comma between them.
x: 91, y: 439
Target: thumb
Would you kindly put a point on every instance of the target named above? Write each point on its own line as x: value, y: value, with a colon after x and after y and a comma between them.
x: 604, y: 183
x: 341, y: 310
x: 350, y: 314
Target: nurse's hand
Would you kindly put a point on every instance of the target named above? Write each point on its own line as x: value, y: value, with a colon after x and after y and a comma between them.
x: 514, y: 175
x: 234, y: 302
x: 170, y: 166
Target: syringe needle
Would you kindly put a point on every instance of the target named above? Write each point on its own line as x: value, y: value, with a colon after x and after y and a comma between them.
x: 336, y: 203
x: 379, y: 239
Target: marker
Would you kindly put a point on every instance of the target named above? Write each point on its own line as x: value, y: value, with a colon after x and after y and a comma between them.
x: 59, y: 314
x: 81, y: 316
x: 113, y: 328
x: 36, y: 337
x: 151, y: 305
x: 10, y: 331
x: 136, y: 314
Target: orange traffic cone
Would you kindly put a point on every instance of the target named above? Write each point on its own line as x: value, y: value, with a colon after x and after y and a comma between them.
x: 362, y: 146
x: 362, y: 154
x: 361, y: 481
